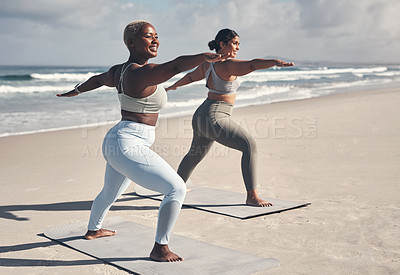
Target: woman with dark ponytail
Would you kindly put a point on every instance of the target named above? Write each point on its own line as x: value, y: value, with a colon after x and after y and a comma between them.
x: 212, y: 120
x: 224, y: 35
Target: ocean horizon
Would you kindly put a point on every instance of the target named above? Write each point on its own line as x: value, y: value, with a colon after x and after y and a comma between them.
x: 28, y: 102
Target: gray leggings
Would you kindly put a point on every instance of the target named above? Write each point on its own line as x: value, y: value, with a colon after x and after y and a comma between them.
x: 212, y: 122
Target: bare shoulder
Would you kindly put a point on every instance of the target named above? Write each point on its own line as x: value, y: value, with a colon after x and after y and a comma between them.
x: 112, y: 75
x: 232, y: 61
x: 235, y: 67
x: 225, y: 69
x: 138, y: 77
x: 136, y: 69
x: 114, y: 69
x: 227, y: 63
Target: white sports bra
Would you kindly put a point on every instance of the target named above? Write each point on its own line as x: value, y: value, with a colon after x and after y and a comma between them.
x: 150, y: 104
x: 221, y: 86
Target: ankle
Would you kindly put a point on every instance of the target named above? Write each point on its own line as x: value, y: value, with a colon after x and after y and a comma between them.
x: 160, y: 247
x: 251, y: 194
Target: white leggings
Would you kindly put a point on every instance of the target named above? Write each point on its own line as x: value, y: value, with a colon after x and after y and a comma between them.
x: 126, y: 148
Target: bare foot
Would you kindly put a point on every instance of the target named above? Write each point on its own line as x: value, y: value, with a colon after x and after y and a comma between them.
x: 254, y: 200
x: 90, y: 235
x: 258, y: 202
x: 161, y: 253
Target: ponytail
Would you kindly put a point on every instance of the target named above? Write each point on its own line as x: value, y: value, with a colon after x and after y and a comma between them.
x: 212, y: 45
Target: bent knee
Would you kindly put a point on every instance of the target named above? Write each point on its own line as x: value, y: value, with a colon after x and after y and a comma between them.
x: 252, y: 144
x: 178, y: 191
x: 249, y: 146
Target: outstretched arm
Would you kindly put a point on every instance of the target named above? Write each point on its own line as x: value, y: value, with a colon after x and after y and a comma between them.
x: 196, y: 75
x: 96, y: 81
x: 153, y: 74
x: 239, y: 68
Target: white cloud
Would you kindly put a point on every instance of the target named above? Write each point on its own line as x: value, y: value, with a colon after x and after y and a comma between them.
x: 353, y: 31
x: 76, y: 32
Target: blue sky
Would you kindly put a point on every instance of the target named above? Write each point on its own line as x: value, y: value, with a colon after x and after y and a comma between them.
x: 89, y: 32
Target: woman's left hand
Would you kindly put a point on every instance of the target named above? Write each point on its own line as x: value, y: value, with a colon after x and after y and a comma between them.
x: 68, y: 94
x: 280, y: 63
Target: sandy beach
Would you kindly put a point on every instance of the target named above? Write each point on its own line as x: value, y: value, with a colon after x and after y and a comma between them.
x: 340, y: 152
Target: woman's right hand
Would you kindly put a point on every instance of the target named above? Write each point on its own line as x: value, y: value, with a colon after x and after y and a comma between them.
x: 172, y: 87
x: 280, y: 63
x: 214, y: 57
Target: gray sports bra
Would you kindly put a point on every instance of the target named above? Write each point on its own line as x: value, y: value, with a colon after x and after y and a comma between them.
x: 221, y: 86
x: 149, y: 104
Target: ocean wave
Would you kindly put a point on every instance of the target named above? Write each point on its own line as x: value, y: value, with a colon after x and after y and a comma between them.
x: 183, y: 104
x: 323, y: 70
x: 13, y: 77
x: 286, y: 77
x: 179, y: 76
x: 295, y: 75
x: 7, y: 89
x: 293, y: 95
x: 389, y: 74
x: 262, y: 91
x: 63, y: 76
x: 48, y: 77
x: 346, y: 86
x: 19, y: 88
